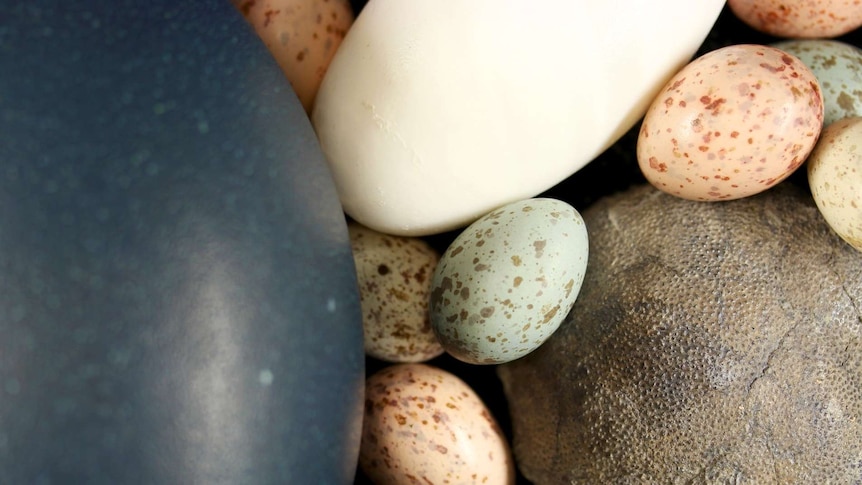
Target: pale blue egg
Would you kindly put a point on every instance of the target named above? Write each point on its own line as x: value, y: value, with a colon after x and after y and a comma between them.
x: 508, y: 280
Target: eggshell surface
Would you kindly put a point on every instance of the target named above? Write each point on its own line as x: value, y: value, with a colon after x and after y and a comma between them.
x: 835, y: 177
x: 838, y: 68
x: 394, y: 276
x: 732, y: 123
x: 799, y: 18
x: 433, y: 113
x: 506, y: 282
x: 424, y: 425
x: 302, y: 36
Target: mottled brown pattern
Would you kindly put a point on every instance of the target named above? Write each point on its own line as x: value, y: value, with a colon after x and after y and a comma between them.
x: 394, y: 289
x: 711, y: 343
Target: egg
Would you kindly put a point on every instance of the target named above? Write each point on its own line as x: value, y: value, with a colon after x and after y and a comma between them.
x: 838, y: 68
x: 799, y: 18
x: 434, y: 113
x: 835, y: 178
x: 504, y: 285
x: 302, y: 36
x: 732, y: 123
x: 178, y: 300
x: 394, y: 277
x: 424, y: 425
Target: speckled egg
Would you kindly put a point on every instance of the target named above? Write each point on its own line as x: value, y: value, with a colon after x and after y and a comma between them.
x: 835, y: 177
x: 838, y: 68
x: 797, y: 19
x: 302, y: 35
x: 423, y: 425
x: 732, y: 123
x: 504, y: 285
x: 394, y: 276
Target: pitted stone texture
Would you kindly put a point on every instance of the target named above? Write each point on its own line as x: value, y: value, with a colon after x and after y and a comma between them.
x: 711, y: 343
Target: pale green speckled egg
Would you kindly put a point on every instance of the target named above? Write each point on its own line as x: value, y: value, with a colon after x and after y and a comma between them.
x: 508, y: 280
x: 835, y: 177
x: 838, y: 68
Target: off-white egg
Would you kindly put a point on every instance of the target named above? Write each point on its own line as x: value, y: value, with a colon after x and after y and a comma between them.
x: 835, y: 177
x: 433, y: 113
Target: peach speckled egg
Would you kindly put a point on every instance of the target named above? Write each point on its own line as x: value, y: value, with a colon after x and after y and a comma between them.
x: 799, y: 18
x: 838, y: 67
x: 394, y: 276
x: 302, y: 35
x: 424, y: 425
x: 730, y: 124
x: 835, y: 177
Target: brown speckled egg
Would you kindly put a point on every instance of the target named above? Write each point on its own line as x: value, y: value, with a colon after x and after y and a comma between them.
x: 424, y: 425
x: 838, y: 67
x: 302, y: 35
x: 394, y: 276
x: 799, y: 19
x: 835, y: 177
x: 732, y: 123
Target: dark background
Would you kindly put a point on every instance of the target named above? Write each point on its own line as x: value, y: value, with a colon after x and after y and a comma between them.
x: 613, y: 171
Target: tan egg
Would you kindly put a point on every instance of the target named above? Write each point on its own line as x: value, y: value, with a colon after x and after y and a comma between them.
x: 424, y: 425
x: 732, y: 123
x: 799, y: 19
x: 835, y: 177
x: 394, y: 275
x: 302, y: 35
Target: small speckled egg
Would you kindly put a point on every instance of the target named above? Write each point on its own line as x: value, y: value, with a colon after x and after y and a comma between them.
x: 302, y: 35
x: 504, y: 285
x: 835, y: 177
x: 732, y: 123
x: 424, y: 425
x: 797, y: 19
x: 838, y: 68
x: 394, y: 276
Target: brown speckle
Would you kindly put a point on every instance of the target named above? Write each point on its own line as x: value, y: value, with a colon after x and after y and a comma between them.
x: 540, y: 247
x: 246, y: 7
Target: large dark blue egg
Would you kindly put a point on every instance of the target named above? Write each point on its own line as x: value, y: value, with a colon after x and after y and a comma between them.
x: 178, y: 302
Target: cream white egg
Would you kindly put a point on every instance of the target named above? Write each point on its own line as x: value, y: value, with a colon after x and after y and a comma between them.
x: 835, y: 178
x: 433, y: 113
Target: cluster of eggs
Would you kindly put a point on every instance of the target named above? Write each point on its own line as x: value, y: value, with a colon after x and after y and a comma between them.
x: 740, y: 119
x: 730, y: 124
x: 499, y: 291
